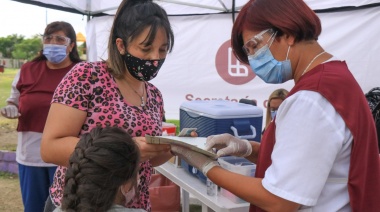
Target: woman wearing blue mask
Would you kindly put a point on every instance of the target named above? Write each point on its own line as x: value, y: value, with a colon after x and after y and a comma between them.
x: 320, y: 153
x: 274, y: 101
x: 115, y: 92
x: 31, y: 94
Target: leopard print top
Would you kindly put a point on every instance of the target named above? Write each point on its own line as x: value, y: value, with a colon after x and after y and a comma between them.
x: 91, y: 88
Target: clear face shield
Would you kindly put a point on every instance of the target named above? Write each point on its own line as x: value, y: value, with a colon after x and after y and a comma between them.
x: 256, y: 42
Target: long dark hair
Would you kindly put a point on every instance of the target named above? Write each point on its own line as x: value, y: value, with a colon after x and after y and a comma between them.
x: 132, y: 17
x: 69, y: 32
x: 102, y: 161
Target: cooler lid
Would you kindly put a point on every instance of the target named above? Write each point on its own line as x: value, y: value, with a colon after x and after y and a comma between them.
x: 221, y: 109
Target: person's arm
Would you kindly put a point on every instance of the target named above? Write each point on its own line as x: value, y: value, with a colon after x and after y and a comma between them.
x: 255, y: 152
x: 15, y: 94
x: 162, y: 158
x: 11, y: 109
x: 61, y: 132
x: 246, y: 187
x: 157, y: 153
x: 250, y: 189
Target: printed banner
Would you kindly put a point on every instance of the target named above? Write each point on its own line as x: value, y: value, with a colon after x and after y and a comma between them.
x: 203, y: 67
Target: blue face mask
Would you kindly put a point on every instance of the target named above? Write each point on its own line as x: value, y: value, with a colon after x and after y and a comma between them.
x: 269, y: 69
x: 273, y: 114
x: 55, y: 53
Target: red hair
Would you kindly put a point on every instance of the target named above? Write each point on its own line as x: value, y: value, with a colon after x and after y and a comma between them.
x: 291, y: 17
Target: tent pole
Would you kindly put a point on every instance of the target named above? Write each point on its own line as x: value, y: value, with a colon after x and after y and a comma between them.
x: 233, y: 11
x: 88, y: 8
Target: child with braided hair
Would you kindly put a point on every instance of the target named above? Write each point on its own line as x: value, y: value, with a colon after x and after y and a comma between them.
x: 102, y: 174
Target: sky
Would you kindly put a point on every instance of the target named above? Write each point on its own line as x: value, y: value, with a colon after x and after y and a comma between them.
x: 28, y: 20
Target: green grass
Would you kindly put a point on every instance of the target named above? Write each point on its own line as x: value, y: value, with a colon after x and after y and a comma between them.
x: 7, y: 175
x: 6, y: 79
x: 9, y: 147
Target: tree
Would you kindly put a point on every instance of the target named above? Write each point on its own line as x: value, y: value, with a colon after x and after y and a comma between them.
x: 82, y: 50
x: 27, y: 49
x: 7, y: 44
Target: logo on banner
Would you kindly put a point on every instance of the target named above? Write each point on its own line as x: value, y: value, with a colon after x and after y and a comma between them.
x: 229, y: 68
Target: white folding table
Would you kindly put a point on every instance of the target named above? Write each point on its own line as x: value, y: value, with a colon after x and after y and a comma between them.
x: 191, y: 184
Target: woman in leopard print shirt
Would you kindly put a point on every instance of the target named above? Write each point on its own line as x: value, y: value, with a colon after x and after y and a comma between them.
x: 115, y: 92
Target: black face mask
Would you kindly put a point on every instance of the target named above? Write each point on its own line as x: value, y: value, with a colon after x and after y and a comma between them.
x: 143, y: 70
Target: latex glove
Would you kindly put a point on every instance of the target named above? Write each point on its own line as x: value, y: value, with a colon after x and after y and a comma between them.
x: 227, y: 144
x: 195, y: 159
x: 10, y: 111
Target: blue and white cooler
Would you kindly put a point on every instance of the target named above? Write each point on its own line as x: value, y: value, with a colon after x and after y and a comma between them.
x: 212, y: 117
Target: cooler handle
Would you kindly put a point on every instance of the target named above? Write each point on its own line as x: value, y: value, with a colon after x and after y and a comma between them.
x: 234, y: 130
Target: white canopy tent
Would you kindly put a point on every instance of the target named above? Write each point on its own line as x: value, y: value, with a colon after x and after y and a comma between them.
x: 201, y: 65
x: 109, y: 7
x: 181, y: 7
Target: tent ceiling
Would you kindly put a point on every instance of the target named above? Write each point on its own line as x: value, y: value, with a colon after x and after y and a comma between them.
x: 109, y: 7
x: 185, y: 7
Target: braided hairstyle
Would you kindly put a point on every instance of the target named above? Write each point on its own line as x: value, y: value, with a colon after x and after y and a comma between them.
x: 103, y: 160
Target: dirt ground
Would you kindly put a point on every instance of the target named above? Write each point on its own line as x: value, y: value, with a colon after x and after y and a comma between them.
x: 10, y: 196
